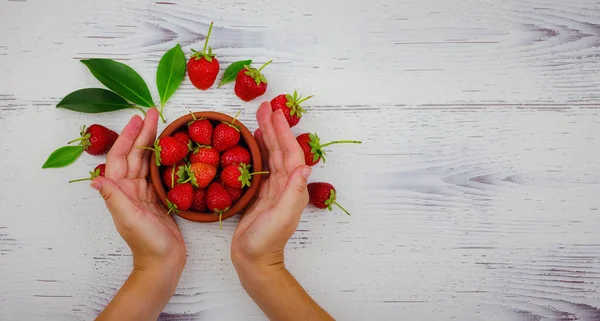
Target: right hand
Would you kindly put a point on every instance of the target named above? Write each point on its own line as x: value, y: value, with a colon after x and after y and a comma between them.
x: 266, y: 227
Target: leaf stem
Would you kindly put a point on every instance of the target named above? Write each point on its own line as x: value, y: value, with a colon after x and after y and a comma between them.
x: 140, y: 109
x: 340, y: 206
x: 207, y: 37
x: 160, y: 113
x: 263, y: 66
x: 342, y: 142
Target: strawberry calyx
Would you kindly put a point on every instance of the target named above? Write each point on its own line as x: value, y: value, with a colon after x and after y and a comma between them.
x: 157, y: 149
x: 332, y: 200
x: 317, y: 147
x: 206, y: 55
x: 172, y: 207
x: 186, y: 175
x: 255, y: 73
x: 93, y: 174
x: 294, y: 101
x: 194, y: 119
x: 231, y: 124
x: 245, y: 174
x: 84, y: 140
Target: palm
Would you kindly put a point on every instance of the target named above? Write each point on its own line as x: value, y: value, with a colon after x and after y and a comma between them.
x: 140, y: 220
x: 264, y: 225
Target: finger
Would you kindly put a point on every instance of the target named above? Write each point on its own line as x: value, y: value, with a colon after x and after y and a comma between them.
x: 135, y: 158
x: 117, y: 202
x: 292, y: 153
x: 264, y: 153
x: 264, y: 115
x: 116, y: 160
x: 294, y: 197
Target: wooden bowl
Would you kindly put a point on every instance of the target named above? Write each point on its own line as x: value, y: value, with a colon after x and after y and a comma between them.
x: 246, y: 139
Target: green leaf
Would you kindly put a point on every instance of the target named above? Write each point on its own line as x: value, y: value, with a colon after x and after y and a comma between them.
x: 93, y: 100
x: 170, y: 72
x: 232, y: 71
x: 63, y: 156
x: 121, y: 79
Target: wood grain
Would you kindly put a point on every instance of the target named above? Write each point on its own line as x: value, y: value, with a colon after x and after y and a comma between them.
x: 473, y: 197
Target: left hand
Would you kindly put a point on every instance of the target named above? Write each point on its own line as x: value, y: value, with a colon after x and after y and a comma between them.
x: 152, y: 235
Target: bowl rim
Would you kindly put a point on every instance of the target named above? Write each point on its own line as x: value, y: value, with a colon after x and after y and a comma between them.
x: 254, y: 150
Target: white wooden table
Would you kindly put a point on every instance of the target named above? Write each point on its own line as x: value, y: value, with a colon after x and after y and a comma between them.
x: 475, y: 196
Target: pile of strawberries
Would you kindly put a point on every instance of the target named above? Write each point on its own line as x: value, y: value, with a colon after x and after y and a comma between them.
x: 190, y: 160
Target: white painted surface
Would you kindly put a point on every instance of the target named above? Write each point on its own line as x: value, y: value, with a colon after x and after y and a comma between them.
x: 474, y: 197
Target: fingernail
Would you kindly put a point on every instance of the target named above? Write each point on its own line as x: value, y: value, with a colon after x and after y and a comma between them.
x: 306, y: 172
x: 96, y: 185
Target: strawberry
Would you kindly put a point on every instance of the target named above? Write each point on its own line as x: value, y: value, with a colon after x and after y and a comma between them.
x: 182, y: 136
x: 174, y: 174
x: 180, y: 198
x: 290, y: 106
x: 313, y: 150
x: 235, y: 193
x: 200, y: 174
x: 168, y: 151
x: 322, y: 195
x: 98, y: 171
x: 238, y: 176
x: 203, y: 67
x: 201, y: 131
x: 96, y: 139
x: 218, y: 200
x: 235, y: 155
x: 250, y: 83
x: 226, y: 135
x: 199, y: 203
x: 206, y: 155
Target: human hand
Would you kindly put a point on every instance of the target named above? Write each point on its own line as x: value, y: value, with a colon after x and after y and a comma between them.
x: 152, y: 235
x: 266, y: 227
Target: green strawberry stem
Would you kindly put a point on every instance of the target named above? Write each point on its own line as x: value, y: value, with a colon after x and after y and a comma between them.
x: 305, y: 99
x: 341, y: 207
x: 76, y: 140
x: 341, y: 142
x: 263, y: 66
x: 220, y: 220
x: 207, y: 37
x: 80, y: 180
x: 258, y: 173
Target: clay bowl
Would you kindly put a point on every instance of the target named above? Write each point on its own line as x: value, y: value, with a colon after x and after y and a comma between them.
x: 247, y: 140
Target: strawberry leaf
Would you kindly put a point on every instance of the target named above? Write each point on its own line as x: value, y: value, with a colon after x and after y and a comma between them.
x: 170, y: 72
x: 121, y: 79
x: 93, y: 100
x: 232, y: 71
x: 63, y: 156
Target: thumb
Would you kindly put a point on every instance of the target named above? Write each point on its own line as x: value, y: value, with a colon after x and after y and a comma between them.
x: 116, y: 200
x: 295, y: 195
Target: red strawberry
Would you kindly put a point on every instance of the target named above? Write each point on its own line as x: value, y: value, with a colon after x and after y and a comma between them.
x: 203, y: 67
x: 199, y: 204
x: 235, y: 155
x: 218, y: 199
x: 168, y: 151
x: 180, y: 198
x: 182, y: 136
x: 226, y: 135
x: 313, y: 150
x: 98, y: 171
x: 200, y: 174
x: 201, y: 131
x: 206, y: 155
x: 250, y: 83
x: 96, y: 139
x: 322, y: 195
x: 238, y: 176
x: 290, y: 106
x: 174, y: 174
x: 234, y: 193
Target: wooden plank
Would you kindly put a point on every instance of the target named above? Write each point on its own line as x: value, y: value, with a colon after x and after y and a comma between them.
x: 474, y: 195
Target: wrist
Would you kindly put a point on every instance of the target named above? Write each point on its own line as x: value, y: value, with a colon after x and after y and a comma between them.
x: 167, y: 269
